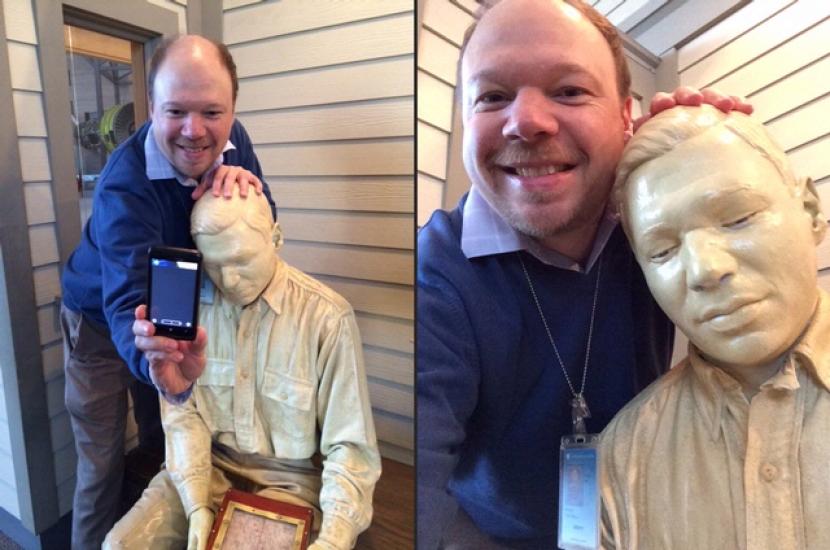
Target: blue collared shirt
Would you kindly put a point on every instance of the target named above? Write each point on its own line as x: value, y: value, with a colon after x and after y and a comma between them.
x: 159, y: 166
x: 484, y: 232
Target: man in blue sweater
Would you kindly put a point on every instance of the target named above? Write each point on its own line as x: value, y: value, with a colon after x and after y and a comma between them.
x: 143, y: 198
x: 531, y: 306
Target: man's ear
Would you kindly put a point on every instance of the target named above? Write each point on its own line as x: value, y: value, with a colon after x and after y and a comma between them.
x: 628, y: 125
x: 812, y: 205
x: 276, y: 236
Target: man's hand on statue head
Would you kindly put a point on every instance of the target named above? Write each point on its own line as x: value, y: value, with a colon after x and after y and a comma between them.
x: 201, y: 520
x: 174, y: 364
x: 692, y: 97
x: 224, y: 179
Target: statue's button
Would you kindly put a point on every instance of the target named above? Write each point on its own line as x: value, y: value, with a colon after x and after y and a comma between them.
x: 769, y: 472
x: 283, y: 396
x: 244, y: 375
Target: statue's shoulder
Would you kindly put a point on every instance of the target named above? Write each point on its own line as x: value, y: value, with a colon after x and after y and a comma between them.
x: 651, y: 409
x: 310, y: 291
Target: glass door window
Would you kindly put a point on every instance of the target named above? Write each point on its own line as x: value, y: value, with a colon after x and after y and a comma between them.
x: 106, y: 102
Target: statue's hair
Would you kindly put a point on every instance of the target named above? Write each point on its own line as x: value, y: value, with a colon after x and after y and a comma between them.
x: 667, y: 130
x: 212, y: 215
x: 605, y: 28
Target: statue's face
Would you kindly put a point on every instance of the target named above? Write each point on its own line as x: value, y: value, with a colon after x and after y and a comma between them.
x: 240, y: 261
x: 726, y: 247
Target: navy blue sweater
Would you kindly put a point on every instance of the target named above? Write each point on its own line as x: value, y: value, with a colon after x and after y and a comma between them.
x: 492, y: 399
x: 105, y: 278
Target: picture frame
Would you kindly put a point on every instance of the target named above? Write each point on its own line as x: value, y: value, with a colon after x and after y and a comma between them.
x: 252, y: 522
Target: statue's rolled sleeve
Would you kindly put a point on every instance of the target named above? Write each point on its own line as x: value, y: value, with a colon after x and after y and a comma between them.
x: 347, y: 440
x: 187, y: 442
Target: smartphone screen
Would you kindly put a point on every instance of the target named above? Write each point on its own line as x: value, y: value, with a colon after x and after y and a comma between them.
x: 173, y: 293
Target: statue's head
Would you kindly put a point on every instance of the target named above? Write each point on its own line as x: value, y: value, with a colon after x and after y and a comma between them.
x: 238, y: 240
x: 725, y: 233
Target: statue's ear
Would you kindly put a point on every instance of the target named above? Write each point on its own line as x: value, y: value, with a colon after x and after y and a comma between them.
x: 812, y: 205
x: 276, y: 236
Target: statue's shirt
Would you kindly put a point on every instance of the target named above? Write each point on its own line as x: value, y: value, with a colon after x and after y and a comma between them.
x: 284, y: 378
x: 691, y: 463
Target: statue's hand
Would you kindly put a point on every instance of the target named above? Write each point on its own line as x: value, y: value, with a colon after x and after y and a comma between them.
x: 692, y: 97
x: 224, y: 179
x: 200, y: 523
x: 174, y: 364
x: 317, y: 545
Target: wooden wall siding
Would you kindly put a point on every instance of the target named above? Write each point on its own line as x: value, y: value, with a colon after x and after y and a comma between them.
x: 432, y: 151
x: 660, y: 26
x: 270, y: 19
x: 435, y: 102
x: 373, y: 39
x: 384, y: 299
x: 356, y: 193
x: 325, y: 85
x: 728, y: 29
x: 367, y: 157
x: 327, y: 96
x: 381, y: 118
x: 777, y: 55
x: 179, y: 8
x: 765, y: 37
x: 439, y: 40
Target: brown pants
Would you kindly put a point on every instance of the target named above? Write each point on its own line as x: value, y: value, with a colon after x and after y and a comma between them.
x: 97, y: 380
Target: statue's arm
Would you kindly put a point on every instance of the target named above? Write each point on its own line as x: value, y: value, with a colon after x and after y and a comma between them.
x: 187, y: 452
x: 351, y: 464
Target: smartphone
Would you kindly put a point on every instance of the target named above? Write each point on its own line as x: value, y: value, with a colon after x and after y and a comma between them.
x: 173, y: 291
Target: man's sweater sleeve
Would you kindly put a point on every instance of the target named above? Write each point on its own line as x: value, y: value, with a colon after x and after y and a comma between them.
x: 127, y: 226
x: 447, y: 391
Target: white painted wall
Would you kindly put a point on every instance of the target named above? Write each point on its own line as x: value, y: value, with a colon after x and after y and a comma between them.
x: 327, y: 95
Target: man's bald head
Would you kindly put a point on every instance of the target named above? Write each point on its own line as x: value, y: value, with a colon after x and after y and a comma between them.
x: 605, y: 28
x: 190, y: 45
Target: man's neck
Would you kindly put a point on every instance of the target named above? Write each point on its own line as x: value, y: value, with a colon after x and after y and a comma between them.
x: 575, y: 243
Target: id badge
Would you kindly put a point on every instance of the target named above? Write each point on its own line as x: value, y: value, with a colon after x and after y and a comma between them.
x: 206, y: 291
x: 579, y: 501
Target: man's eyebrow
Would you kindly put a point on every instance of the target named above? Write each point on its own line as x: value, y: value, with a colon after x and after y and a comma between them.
x: 180, y: 105
x: 554, y: 70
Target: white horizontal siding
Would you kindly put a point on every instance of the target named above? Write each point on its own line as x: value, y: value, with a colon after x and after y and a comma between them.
x: 269, y: 19
x: 327, y: 96
x: 356, y: 193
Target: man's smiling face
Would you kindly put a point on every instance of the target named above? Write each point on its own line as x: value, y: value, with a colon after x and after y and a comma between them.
x: 543, y: 121
x: 192, y: 106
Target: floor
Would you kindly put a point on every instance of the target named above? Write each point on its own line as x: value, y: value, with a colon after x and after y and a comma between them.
x: 393, y: 525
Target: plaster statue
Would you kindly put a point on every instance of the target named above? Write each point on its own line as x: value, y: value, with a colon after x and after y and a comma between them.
x: 729, y: 449
x: 284, y: 379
